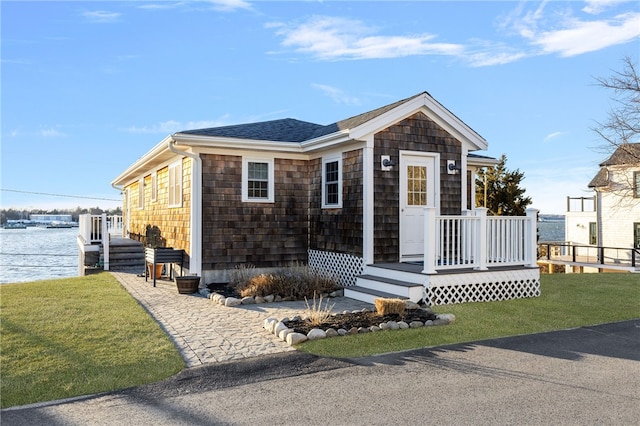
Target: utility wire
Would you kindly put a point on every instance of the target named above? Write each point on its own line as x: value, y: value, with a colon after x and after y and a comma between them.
x: 58, y: 195
x: 36, y: 254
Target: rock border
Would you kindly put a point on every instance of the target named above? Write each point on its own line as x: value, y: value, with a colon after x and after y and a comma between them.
x: 284, y: 333
x: 249, y: 300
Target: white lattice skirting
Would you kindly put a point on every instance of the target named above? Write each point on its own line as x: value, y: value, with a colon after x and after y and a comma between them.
x: 483, y: 286
x: 344, y: 266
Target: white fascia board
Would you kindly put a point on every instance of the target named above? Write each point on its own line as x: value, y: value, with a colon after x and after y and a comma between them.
x: 309, y: 146
x: 141, y: 165
x: 432, y: 109
x: 234, y: 143
x: 481, y: 162
x: 325, y: 141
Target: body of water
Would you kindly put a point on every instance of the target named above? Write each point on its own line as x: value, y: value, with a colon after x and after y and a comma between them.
x: 37, y: 253
x: 551, y: 230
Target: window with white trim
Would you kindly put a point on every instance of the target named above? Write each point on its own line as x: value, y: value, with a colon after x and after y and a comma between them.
x: 258, y: 180
x: 175, y: 184
x: 141, y: 194
x: 154, y: 186
x: 636, y: 184
x: 332, y: 182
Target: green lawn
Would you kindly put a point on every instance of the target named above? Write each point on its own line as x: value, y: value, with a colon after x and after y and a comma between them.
x: 567, y: 301
x: 77, y: 336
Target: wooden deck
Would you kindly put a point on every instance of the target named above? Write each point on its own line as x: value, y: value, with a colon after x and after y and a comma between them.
x: 582, y: 262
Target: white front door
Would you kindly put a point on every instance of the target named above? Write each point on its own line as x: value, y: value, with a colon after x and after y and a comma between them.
x: 418, y: 183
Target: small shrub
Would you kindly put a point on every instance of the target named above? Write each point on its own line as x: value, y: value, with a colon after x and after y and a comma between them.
x: 390, y: 306
x: 297, y: 282
x: 317, y: 314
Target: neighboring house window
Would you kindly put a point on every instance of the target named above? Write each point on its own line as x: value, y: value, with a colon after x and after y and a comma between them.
x: 141, y: 194
x: 593, y: 233
x: 636, y: 184
x: 175, y: 184
x: 636, y: 235
x: 154, y: 186
x: 257, y: 180
x: 332, y: 182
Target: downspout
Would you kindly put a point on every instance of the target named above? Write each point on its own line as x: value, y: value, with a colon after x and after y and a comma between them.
x: 195, y: 237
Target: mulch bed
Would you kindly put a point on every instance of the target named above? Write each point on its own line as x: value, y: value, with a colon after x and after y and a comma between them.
x: 360, y: 319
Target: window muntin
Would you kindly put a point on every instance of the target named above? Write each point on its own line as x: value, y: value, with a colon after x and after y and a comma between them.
x: 258, y: 180
x: 175, y: 185
x: 332, y: 182
x: 416, y: 185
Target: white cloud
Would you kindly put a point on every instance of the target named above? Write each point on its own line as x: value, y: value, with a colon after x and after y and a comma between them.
x: 334, y: 38
x: 553, y: 136
x: 102, y: 16
x: 337, y: 95
x: 50, y: 133
x: 588, y: 36
x: 172, y: 126
x: 216, y: 5
x: 595, y: 7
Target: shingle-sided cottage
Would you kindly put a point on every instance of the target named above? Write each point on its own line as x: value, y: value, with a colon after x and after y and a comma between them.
x: 384, y: 199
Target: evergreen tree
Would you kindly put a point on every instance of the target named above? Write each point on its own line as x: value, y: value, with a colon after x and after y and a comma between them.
x: 505, y: 197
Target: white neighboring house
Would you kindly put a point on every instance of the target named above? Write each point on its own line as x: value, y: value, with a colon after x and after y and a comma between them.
x: 611, y: 218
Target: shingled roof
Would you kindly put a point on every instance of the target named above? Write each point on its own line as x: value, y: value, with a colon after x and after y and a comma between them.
x: 624, y: 155
x: 290, y: 129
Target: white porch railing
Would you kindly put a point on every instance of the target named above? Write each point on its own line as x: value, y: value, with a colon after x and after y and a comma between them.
x: 97, y: 229
x: 478, y: 241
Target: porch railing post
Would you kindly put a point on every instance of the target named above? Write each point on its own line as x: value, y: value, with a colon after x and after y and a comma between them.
x: 105, y: 241
x: 480, y: 248
x: 530, y: 238
x: 430, y: 240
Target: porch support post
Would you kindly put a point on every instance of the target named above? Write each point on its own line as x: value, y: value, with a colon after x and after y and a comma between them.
x: 105, y: 241
x: 480, y: 249
x: 531, y: 240
x: 430, y: 238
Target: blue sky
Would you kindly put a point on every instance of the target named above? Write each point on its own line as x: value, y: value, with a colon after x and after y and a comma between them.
x: 89, y: 87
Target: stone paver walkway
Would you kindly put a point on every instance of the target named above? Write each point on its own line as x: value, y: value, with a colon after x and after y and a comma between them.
x: 205, y: 332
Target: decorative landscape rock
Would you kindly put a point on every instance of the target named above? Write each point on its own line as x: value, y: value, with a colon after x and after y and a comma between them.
x: 279, y: 327
x: 416, y: 324
x: 331, y: 332
x: 295, y: 338
x: 316, y: 334
x: 248, y: 300
x: 232, y: 301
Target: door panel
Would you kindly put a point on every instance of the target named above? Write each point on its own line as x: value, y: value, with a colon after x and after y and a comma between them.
x: 417, y: 191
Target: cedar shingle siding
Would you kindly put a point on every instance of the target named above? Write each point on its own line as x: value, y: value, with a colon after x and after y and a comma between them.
x: 415, y: 133
x: 338, y: 230
x: 261, y: 234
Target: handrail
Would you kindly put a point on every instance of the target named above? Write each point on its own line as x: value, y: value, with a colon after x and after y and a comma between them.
x: 603, y: 253
x: 97, y: 229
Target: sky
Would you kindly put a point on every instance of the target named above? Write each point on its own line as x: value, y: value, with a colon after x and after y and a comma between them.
x: 89, y: 87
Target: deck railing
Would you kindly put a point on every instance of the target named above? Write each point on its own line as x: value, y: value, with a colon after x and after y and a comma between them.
x: 478, y: 241
x: 96, y: 229
x: 588, y: 254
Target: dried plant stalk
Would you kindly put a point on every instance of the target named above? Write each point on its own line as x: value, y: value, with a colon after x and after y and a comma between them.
x: 390, y: 306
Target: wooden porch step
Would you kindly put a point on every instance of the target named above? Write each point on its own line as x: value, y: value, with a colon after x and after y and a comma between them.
x: 391, y: 286
x: 391, y: 281
x: 368, y: 295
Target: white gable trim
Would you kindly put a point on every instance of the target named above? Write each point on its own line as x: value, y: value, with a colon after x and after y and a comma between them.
x: 432, y: 109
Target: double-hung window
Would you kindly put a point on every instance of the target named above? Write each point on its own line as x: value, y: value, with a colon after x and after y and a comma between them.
x: 257, y: 180
x: 636, y: 184
x: 332, y: 182
x: 175, y: 184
